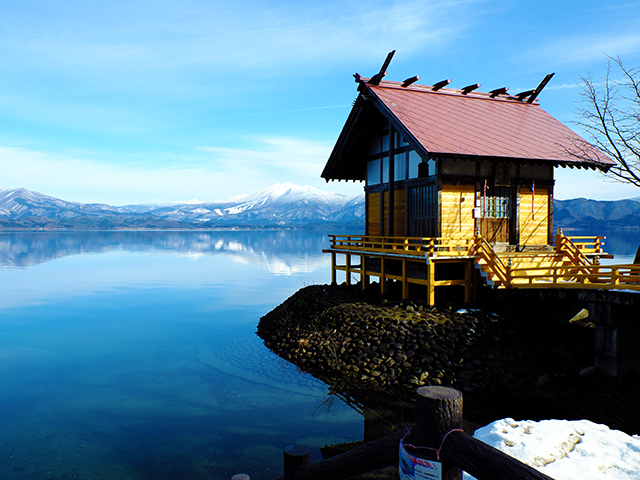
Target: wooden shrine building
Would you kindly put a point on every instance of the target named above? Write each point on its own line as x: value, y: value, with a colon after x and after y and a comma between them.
x: 450, y: 173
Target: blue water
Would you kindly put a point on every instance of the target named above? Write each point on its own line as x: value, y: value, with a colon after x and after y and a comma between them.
x: 133, y: 355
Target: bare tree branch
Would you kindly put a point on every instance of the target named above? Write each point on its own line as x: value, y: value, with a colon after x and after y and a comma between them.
x: 612, y: 118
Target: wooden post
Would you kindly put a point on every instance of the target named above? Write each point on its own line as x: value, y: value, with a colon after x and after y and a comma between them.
x: 383, y: 278
x: 405, y: 280
x: 559, y: 241
x: 348, y: 270
x: 438, y: 430
x: 431, y: 278
x: 333, y: 268
x: 364, y: 278
x: 615, y: 276
x: 468, y: 281
x: 295, y: 458
x: 370, y: 456
x: 438, y: 411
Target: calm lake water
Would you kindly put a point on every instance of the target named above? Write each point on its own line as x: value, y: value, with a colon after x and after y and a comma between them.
x: 133, y: 355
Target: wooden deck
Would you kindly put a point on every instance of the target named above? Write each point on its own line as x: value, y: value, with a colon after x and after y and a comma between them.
x: 571, y: 262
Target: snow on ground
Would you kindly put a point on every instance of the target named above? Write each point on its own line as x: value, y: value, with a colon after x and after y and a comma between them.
x: 566, y: 450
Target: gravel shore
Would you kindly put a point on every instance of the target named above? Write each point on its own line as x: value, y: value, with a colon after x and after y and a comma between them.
x: 365, y: 346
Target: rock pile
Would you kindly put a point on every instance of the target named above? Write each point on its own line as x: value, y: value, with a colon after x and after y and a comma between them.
x: 341, y: 336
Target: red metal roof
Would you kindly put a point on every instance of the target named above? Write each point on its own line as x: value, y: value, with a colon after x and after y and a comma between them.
x: 449, y: 122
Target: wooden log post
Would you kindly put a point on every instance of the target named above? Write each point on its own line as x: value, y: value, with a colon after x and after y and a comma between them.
x: 438, y: 436
x: 438, y: 411
x: 370, y: 456
x: 295, y: 458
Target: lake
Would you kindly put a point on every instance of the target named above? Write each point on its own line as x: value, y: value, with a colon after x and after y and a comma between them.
x: 133, y: 355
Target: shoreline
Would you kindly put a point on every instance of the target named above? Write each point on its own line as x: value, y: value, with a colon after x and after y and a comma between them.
x: 381, y: 350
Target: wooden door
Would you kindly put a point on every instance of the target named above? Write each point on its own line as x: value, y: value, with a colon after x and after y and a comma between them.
x: 494, y: 211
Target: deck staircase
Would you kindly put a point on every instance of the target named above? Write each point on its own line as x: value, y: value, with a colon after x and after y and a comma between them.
x: 511, y: 269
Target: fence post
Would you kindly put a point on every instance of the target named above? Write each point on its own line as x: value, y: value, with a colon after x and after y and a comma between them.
x: 295, y: 458
x: 559, y: 241
x: 333, y: 268
x: 438, y: 411
x: 438, y: 431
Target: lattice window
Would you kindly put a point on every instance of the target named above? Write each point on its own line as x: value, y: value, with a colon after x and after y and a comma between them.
x: 495, y: 202
x: 423, y: 201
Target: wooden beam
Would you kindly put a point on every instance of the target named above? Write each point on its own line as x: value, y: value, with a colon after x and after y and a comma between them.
x: 470, y: 88
x: 522, y: 95
x: 498, y: 91
x: 539, y: 88
x: 409, y: 81
x: 442, y: 84
x: 375, y: 80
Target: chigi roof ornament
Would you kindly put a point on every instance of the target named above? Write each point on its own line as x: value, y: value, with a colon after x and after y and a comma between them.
x: 528, y: 95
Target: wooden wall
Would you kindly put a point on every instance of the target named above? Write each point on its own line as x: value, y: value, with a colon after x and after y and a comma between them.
x: 457, y: 202
x: 534, y: 229
x: 399, y: 213
x: 373, y: 214
x: 374, y: 210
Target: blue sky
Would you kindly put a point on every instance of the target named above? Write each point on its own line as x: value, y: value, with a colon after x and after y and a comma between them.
x: 135, y: 101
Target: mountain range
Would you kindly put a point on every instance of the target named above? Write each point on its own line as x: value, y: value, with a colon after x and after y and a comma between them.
x: 597, y: 214
x: 280, y: 206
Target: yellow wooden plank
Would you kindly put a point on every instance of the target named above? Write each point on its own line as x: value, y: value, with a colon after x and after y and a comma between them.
x: 534, y: 216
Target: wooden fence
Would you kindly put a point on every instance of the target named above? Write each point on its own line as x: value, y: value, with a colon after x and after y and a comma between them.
x: 436, y: 437
x: 571, y: 262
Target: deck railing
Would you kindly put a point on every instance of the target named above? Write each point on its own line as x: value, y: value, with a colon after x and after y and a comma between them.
x: 620, y: 277
x: 583, y: 244
x: 492, y: 260
x: 417, y: 246
x: 573, y: 263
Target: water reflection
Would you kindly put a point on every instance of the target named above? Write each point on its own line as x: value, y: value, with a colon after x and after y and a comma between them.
x: 279, y: 252
x: 133, y: 355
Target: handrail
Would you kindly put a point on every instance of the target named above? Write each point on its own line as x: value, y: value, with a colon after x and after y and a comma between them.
x: 593, y: 276
x: 566, y: 246
x: 418, y: 246
x: 566, y: 267
x: 587, y: 244
x: 487, y: 253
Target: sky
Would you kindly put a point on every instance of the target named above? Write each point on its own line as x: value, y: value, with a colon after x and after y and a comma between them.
x: 126, y: 102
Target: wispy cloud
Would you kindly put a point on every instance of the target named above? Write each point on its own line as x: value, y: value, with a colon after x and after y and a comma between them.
x: 587, y: 49
x: 224, y: 39
x: 207, y: 173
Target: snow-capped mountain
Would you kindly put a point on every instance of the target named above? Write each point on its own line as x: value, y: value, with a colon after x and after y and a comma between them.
x: 279, y: 204
x: 18, y: 203
x: 282, y: 204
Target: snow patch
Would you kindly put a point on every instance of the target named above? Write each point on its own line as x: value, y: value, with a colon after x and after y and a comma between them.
x: 566, y: 450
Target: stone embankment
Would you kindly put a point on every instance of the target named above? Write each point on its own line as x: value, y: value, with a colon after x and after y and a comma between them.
x: 354, y: 340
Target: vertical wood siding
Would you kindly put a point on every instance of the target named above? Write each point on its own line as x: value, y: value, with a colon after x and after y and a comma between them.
x: 399, y: 213
x: 534, y: 231
x: 373, y: 214
x: 457, y: 211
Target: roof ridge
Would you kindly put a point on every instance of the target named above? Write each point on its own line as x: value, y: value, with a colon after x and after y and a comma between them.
x: 415, y: 87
